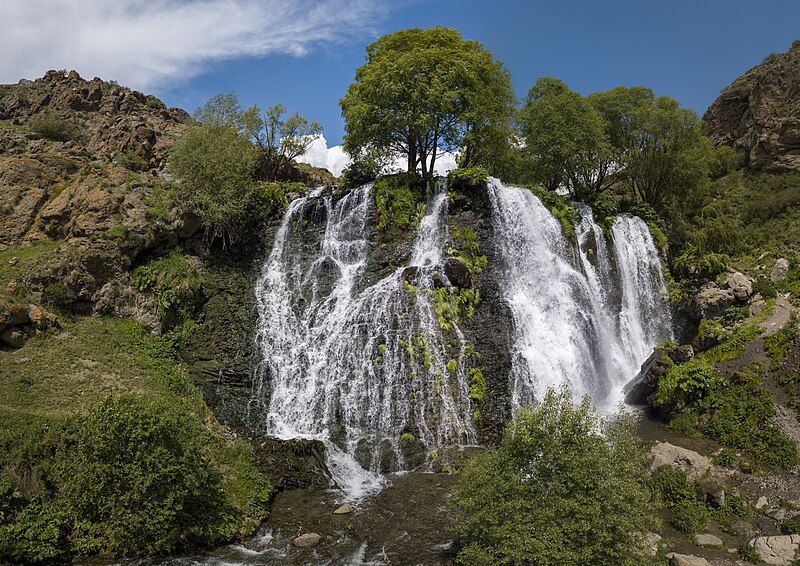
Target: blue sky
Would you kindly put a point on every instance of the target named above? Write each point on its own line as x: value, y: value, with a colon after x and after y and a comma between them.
x: 688, y: 49
x: 303, y: 53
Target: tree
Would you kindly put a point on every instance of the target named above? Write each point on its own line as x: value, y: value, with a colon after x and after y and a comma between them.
x: 563, y: 487
x: 422, y: 92
x: 565, y: 137
x: 284, y: 139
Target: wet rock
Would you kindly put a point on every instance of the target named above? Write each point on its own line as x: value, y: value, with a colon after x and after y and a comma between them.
x: 290, y: 464
x: 457, y: 272
x: 690, y: 462
x: 780, y: 271
x: 343, y: 510
x: 641, y: 390
x: 777, y: 550
x: 306, y: 540
x: 676, y: 559
x: 707, y: 540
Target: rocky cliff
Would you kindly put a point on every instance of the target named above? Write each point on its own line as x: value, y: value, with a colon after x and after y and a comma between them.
x: 759, y: 114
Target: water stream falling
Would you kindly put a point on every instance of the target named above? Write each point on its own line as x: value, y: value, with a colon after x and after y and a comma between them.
x: 585, y: 313
x: 365, y: 366
x: 359, y: 367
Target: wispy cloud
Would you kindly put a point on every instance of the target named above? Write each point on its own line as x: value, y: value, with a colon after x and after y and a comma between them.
x: 147, y: 43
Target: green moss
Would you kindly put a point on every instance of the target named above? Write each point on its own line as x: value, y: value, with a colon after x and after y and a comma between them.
x: 467, y: 248
x: 130, y: 160
x: 559, y: 207
x: 407, y: 438
x: 477, y: 384
x: 452, y: 367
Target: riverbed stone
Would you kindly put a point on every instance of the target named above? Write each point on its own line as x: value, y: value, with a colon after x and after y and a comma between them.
x: 780, y: 271
x: 306, y: 540
x: 343, y: 510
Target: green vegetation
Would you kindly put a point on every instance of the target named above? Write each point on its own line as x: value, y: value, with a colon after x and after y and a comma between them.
x: 444, y: 93
x: 736, y: 411
x: 452, y: 305
x: 52, y: 127
x: 691, y: 511
x: 106, y: 446
x: 467, y: 248
x: 17, y: 261
x: 131, y: 161
x: 555, y: 491
x: 400, y: 204
x: 467, y: 178
x: 559, y: 207
x: 732, y: 344
x: 175, y: 286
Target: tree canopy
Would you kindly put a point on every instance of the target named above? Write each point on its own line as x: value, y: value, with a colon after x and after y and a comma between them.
x: 625, y: 137
x: 422, y: 92
x: 563, y: 487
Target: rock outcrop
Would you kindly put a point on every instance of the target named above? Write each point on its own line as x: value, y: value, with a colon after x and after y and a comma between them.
x: 759, y: 114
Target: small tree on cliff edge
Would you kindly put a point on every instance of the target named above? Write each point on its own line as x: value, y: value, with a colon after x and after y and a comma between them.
x: 563, y: 487
x: 422, y: 92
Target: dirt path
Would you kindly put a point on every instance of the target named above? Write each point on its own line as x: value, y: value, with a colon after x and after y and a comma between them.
x: 779, y: 317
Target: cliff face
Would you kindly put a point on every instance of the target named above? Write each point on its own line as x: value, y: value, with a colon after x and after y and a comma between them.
x: 759, y: 114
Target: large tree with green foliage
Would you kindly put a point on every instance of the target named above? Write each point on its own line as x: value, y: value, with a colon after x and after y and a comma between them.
x: 563, y: 487
x: 422, y: 92
x: 564, y: 135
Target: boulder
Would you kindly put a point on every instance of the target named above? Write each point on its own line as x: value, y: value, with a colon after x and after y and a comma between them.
x: 676, y: 559
x: 457, y: 272
x: 762, y: 502
x: 694, y: 465
x: 343, y: 510
x: 306, y: 540
x: 778, y: 550
x: 778, y: 513
x: 740, y: 284
x: 780, y: 271
x: 712, y: 301
x: 707, y: 540
x: 651, y: 543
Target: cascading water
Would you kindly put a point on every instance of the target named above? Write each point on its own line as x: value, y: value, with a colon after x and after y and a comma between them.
x: 372, y: 371
x: 584, y: 314
x: 359, y: 368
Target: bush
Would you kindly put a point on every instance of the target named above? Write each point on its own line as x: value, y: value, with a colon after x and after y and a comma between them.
x: 216, y: 166
x: 469, y: 178
x: 687, y: 383
x: 400, y: 204
x: 556, y: 491
x: 174, y: 284
x: 131, y: 161
x: 52, y: 127
x: 133, y: 476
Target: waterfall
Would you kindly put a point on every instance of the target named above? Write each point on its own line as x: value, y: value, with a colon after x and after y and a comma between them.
x: 364, y: 363
x: 367, y: 370
x: 583, y: 314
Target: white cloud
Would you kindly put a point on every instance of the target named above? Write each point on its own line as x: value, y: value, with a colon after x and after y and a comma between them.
x: 145, y: 43
x: 334, y: 159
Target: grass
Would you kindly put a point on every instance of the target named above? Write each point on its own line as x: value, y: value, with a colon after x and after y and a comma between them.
x: 17, y: 261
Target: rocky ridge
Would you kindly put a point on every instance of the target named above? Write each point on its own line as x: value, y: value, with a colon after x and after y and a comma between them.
x: 759, y: 114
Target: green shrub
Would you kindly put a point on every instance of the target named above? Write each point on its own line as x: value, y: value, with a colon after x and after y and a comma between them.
x: 469, y: 178
x: 216, y: 166
x: 559, y: 207
x: 765, y: 287
x: 452, y: 305
x: 691, y: 516
x: 52, y: 127
x: 779, y: 344
x: 556, y: 491
x: 733, y: 344
x: 467, y: 248
x: 58, y: 295
x: 174, y: 283
x: 687, y: 383
x: 694, y: 264
x: 130, y: 160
